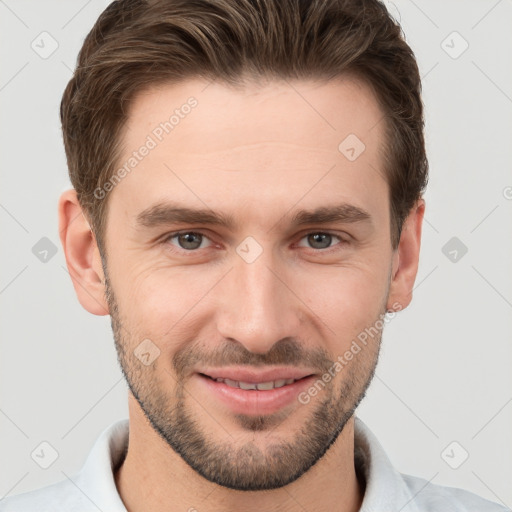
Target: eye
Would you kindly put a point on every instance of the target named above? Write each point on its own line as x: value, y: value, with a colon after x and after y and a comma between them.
x: 320, y: 240
x: 187, y: 240
x: 192, y: 241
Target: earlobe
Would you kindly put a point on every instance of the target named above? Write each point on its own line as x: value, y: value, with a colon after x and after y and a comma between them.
x: 82, y: 254
x: 406, y: 258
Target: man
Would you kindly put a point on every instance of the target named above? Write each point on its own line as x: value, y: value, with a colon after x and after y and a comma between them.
x: 247, y: 207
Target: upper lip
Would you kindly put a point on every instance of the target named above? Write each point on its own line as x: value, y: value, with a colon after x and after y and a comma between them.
x: 256, y: 376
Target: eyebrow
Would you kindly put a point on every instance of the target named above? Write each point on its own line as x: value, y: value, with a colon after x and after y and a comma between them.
x: 169, y: 213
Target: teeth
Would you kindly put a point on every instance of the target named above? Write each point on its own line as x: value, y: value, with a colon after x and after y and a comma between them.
x: 262, y: 386
x: 246, y: 385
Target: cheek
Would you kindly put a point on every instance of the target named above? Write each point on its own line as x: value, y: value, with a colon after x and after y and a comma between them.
x: 161, y: 303
x: 171, y: 306
x: 348, y: 299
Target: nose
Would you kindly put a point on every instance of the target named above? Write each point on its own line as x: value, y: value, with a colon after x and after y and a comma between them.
x: 257, y: 304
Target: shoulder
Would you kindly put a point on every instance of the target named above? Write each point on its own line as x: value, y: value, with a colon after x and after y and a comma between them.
x: 431, y: 497
x: 389, y: 489
x: 92, y: 489
x: 63, y: 496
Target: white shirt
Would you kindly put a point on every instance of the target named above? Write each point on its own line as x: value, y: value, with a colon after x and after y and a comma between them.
x: 93, y: 489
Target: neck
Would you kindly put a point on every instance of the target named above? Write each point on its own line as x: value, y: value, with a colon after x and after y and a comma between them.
x: 154, y: 477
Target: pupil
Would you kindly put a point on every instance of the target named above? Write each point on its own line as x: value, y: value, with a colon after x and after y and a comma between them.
x: 323, y: 239
x: 188, y: 241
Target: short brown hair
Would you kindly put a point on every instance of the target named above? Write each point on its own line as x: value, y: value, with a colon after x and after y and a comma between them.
x: 135, y: 44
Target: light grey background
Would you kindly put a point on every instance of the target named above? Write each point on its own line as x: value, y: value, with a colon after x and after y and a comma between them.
x: 444, y: 373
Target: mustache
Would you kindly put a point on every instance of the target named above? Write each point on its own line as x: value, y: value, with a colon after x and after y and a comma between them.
x: 286, y: 352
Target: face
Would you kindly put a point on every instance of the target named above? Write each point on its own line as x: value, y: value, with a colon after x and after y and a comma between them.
x: 246, y: 250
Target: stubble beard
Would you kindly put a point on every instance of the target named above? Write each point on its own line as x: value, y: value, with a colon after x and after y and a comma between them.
x: 246, y: 467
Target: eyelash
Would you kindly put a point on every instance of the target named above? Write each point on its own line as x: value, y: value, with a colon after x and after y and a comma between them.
x: 170, y: 236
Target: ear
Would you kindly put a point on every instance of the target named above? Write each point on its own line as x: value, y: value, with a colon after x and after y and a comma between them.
x: 405, y: 259
x: 82, y: 254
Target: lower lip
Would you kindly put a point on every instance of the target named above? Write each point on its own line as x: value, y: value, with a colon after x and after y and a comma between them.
x: 253, y: 401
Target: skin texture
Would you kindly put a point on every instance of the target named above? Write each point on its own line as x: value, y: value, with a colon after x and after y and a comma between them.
x: 258, y: 154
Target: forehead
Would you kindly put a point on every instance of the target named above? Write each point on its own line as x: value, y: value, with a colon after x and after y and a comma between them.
x: 279, y: 142
x: 315, y: 114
